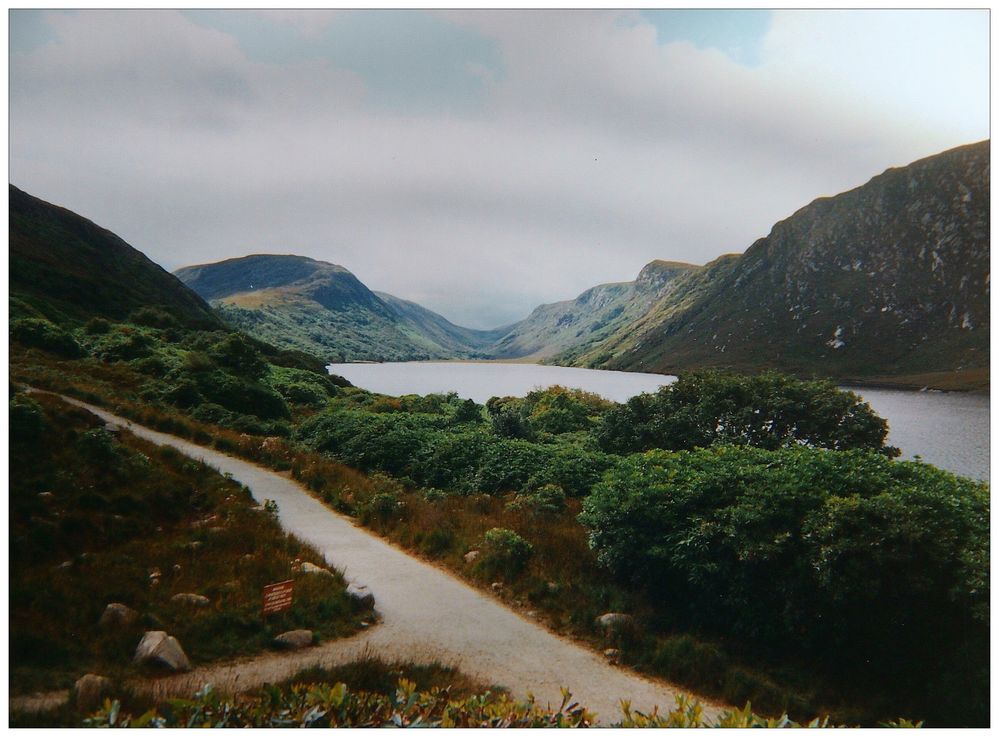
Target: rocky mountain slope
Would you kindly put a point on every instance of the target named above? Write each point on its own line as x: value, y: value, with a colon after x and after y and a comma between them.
x: 64, y: 267
x: 592, y: 316
x: 889, y: 279
x: 322, y: 308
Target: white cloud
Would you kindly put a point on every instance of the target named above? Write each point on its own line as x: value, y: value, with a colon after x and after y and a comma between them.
x: 597, y: 150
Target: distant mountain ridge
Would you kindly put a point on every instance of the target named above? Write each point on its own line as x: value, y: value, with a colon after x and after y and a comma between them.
x: 592, y: 316
x: 322, y: 308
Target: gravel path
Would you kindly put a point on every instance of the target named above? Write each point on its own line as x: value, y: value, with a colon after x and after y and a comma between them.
x: 427, y: 614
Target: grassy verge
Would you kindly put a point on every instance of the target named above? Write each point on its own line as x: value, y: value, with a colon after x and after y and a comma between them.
x: 98, y: 517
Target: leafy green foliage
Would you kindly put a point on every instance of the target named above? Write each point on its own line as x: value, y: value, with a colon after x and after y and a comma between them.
x: 841, y: 557
x: 334, y: 704
x: 545, y: 500
x: 504, y: 553
x: 768, y: 410
x: 33, y: 332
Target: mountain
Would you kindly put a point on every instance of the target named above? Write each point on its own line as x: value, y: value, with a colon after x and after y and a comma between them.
x: 64, y: 267
x: 591, y: 317
x: 322, y: 308
x: 890, y: 279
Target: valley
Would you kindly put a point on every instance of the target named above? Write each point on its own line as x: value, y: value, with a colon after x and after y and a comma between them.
x: 887, y: 284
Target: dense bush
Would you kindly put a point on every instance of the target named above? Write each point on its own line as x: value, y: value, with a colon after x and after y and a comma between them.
x: 504, y: 553
x: 768, y: 410
x: 302, y: 387
x: 545, y: 500
x: 34, y: 332
x: 845, y: 557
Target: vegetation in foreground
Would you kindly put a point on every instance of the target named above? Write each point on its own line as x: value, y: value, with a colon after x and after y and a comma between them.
x: 98, y: 516
x: 331, y: 703
x: 446, y: 477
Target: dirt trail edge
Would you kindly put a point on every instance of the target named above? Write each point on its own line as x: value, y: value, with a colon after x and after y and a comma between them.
x: 427, y: 614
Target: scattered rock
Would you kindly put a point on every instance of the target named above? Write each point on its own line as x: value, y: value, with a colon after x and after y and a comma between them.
x: 613, y: 655
x: 193, y: 546
x: 294, y: 640
x: 46, y: 496
x: 160, y: 649
x: 205, y: 522
x: 117, y: 615
x: 471, y: 556
x: 361, y: 596
x: 64, y: 566
x: 307, y: 567
x: 496, y: 586
x: 89, y: 691
x: 112, y: 427
x: 176, y: 567
x: 191, y: 599
x: 616, y: 622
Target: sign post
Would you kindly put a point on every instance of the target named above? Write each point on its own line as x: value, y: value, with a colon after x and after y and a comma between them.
x: 277, y: 597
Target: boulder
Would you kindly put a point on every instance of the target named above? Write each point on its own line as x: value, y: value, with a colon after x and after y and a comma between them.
x: 613, y: 655
x: 294, y: 640
x: 190, y: 599
x: 361, y: 596
x: 89, y: 692
x: 471, y: 556
x: 616, y: 622
x: 117, y: 616
x: 157, y: 648
x: 307, y: 567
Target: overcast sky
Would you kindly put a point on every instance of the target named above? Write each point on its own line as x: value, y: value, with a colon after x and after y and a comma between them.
x: 478, y: 162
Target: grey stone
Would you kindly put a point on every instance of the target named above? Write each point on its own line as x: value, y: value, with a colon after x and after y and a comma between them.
x: 616, y: 622
x: 362, y: 597
x: 471, y: 556
x: 160, y: 649
x: 191, y: 599
x: 294, y: 640
x: 118, y: 615
x: 307, y: 567
x: 89, y: 691
x: 612, y: 654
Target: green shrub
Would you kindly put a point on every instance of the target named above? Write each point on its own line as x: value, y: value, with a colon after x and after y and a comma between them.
x: 685, y: 660
x: 842, y: 557
x: 153, y: 317
x: 546, y: 500
x: 33, y: 332
x: 504, y: 553
x: 27, y: 421
x: 768, y: 410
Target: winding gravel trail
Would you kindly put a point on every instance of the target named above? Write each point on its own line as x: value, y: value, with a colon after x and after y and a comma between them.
x: 426, y: 613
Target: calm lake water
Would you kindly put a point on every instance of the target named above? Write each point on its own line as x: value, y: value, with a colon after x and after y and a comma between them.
x: 949, y: 430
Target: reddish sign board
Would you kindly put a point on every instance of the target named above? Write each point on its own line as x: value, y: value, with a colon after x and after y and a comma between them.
x: 277, y: 596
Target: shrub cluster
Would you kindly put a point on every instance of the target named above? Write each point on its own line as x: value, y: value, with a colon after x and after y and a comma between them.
x: 842, y: 557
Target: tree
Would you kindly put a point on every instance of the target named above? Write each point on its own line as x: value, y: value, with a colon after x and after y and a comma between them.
x: 768, y: 410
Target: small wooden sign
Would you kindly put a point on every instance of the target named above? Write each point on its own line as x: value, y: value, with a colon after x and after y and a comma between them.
x: 278, y: 596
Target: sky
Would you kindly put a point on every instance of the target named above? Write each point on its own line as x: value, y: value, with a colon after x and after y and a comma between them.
x: 478, y: 162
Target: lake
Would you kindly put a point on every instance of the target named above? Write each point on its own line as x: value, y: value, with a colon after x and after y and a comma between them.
x: 947, y: 429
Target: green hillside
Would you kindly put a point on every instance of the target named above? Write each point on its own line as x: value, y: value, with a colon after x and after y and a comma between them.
x: 322, y: 308
x: 64, y: 266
